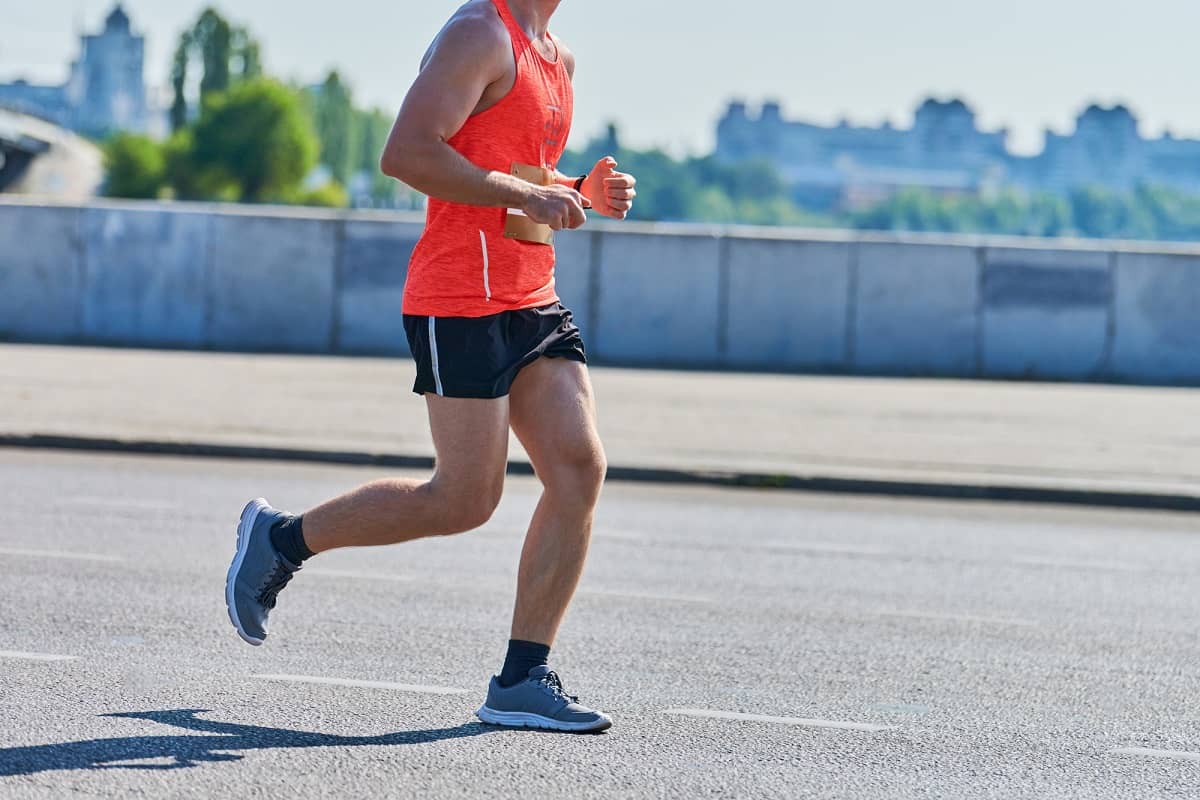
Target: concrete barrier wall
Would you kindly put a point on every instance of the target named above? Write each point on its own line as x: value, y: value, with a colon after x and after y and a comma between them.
x: 145, y: 274
x: 658, y: 300
x: 916, y: 309
x: 41, y: 273
x: 786, y: 304
x: 238, y: 278
x: 1045, y: 313
x: 371, y: 268
x: 1156, y: 318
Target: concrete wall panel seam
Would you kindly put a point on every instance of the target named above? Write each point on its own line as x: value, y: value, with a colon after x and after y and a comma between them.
x: 594, y: 283
x: 335, y: 297
x: 980, y: 328
x: 80, y: 272
x: 1105, y: 368
x: 851, y: 337
x: 723, y: 298
x: 209, y: 288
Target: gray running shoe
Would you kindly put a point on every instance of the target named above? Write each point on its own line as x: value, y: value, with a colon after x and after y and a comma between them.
x: 258, y: 572
x: 539, y: 702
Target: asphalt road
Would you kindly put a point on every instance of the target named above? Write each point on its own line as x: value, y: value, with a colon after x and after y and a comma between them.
x: 748, y: 644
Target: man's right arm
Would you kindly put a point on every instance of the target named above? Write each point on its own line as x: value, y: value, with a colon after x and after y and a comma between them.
x: 469, y: 55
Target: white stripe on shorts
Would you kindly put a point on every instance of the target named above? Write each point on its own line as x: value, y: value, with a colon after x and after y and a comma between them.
x: 437, y: 375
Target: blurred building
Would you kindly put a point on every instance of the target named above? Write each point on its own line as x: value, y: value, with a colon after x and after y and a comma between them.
x: 40, y: 158
x: 105, y: 90
x: 846, y: 166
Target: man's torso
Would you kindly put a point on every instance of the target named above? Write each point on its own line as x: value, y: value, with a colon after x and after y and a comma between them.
x: 465, y: 264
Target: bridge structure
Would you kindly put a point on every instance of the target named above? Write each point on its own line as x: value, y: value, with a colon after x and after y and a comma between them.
x: 41, y: 158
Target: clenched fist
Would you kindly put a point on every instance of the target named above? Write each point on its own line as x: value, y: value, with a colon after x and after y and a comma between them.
x: 610, y: 192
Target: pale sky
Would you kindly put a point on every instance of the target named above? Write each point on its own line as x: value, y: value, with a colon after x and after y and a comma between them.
x: 664, y: 71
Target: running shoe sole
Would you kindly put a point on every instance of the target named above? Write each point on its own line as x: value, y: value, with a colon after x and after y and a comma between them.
x: 520, y: 719
x: 245, y: 525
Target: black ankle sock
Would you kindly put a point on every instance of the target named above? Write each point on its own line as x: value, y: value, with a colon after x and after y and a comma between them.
x: 522, y: 657
x: 287, y: 536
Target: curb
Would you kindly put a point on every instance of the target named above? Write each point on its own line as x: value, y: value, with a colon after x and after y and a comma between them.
x: 1104, y: 498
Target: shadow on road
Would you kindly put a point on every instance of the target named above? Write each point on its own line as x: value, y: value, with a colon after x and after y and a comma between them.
x: 189, y: 751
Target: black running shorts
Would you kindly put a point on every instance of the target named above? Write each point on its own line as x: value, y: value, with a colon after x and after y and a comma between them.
x: 480, y: 357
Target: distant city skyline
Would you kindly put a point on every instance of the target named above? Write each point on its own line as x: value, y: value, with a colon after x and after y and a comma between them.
x: 852, y: 168
x: 1027, y: 66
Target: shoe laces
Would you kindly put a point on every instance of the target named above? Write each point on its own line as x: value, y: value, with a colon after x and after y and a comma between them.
x: 276, y: 579
x: 554, y: 685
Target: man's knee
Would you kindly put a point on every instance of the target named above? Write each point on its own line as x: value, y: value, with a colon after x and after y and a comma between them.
x: 578, y: 470
x: 468, y: 504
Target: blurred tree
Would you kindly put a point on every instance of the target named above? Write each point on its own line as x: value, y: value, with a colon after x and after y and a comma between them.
x: 226, y: 53
x: 336, y: 126
x: 247, y: 55
x: 213, y: 37
x: 179, y: 65
x: 254, y: 137
x: 136, y: 167
x: 373, y: 129
x: 189, y: 181
x: 330, y: 195
x: 1048, y: 216
x: 1096, y: 211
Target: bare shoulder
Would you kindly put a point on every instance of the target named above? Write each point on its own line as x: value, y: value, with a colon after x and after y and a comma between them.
x: 475, y: 32
x: 567, y: 56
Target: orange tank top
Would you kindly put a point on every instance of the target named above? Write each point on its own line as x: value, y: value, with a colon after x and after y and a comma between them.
x: 463, y: 265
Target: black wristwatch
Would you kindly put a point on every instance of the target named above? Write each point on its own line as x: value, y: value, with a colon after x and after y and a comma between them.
x: 579, y: 188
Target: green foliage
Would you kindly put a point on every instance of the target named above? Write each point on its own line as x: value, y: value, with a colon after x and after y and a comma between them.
x: 253, y: 137
x: 1149, y: 212
x: 331, y: 195
x: 254, y: 140
x: 352, y: 139
x: 179, y: 65
x: 213, y: 36
x: 227, y: 53
x: 246, y: 55
x: 336, y: 124
x: 696, y: 189
x: 373, y: 127
x: 1173, y: 214
x: 136, y: 167
x: 189, y: 181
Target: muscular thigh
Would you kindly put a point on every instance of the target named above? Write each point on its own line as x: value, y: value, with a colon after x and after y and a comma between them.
x: 553, y: 412
x: 471, y: 440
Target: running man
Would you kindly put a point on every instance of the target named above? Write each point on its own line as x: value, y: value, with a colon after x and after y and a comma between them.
x: 480, y: 132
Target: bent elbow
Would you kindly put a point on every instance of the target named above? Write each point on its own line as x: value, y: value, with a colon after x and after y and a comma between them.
x: 404, y: 160
x: 392, y: 165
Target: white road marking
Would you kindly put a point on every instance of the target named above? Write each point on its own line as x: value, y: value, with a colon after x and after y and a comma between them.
x: 971, y: 618
x: 1180, y: 755
x: 1107, y: 566
x: 495, y: 586
x: 132, y: 504
x: 393, y: 687
x: 143, y: 763
x: 796, y: 721
x: 20, y: 551
x: 17, y: 654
